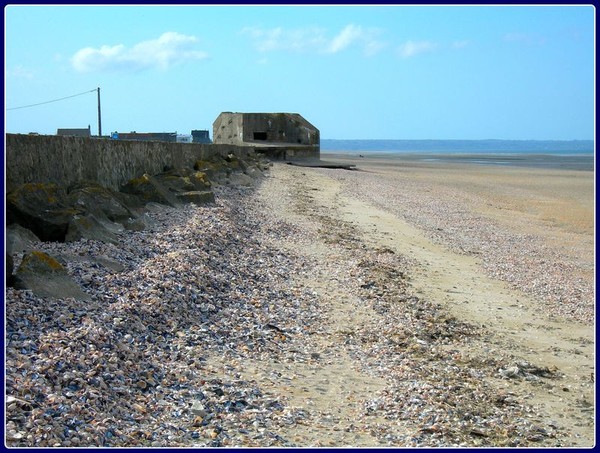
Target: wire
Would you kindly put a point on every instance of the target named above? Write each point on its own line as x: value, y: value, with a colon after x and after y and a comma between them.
x: 55, y: 100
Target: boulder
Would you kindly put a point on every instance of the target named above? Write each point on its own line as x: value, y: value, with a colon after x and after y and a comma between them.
x: 175, y: 183
x: 46, y: 277
x: 19, y: 239
x: 148, y: 188
x: 140, y: 223
x: 134, y: 203
x: 42, y: 208
x: 90, y: 227
x: 108, y: 263
x: 200, y: 180
x: 240, y: 179
x: 234, y: 163
x: 91, y: 197
x: 198, y: 197
x: 9, y: 270
x: 253, y: 171
x: 211, y: 169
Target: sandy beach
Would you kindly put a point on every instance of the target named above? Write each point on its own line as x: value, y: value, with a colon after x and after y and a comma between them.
x: 400, y: 305
x: 532, y: 227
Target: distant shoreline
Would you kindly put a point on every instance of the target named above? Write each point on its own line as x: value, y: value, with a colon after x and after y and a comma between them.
x: 580, y: 162
x: 462, y: 146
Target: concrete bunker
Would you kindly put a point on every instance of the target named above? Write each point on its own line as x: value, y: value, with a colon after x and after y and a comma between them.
x: 278, y: 135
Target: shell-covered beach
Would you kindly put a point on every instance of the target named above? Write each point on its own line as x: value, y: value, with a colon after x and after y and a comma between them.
x: 401, y: 305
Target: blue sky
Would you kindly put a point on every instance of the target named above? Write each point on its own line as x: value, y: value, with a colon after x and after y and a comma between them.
x: 355, y: 72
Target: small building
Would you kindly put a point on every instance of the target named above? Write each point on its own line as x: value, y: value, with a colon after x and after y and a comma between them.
x: 200, y: 136
x: 281, y: 135
x: 184, y: 138
x: 75, y: 132
x: 145, y: 136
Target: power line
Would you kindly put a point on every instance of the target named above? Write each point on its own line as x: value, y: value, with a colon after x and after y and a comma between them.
x: 55, y: 100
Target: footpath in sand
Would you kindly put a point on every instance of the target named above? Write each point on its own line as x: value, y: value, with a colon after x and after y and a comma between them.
x: 418, y: 347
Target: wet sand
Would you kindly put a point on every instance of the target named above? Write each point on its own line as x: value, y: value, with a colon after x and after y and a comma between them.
x: 581, y: 162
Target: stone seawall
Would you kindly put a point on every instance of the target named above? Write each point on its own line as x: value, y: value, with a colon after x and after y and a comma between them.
x: 111, y: 163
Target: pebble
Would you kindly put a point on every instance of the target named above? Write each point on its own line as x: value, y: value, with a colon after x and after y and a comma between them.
x: 156, y: 357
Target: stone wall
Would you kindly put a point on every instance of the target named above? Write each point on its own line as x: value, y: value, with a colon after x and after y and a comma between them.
x: 111, y: 163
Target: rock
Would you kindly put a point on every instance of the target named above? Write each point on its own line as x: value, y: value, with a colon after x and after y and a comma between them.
x: 134, y: 203
x: 93, y: 198
x: 253, y: 172
x: 175, y: 181
x: 89, y: 227
x: 211, y: 169
x: 9, y: 270
x: 240, y: 179
x: 148, y: 188
x: 510, y: 372
x: 197, y: 197
x: 46, y: 277
x: 140, y: 223
x: 200, y: 180
x: 198, y: 409
x: 234, y: 163
x: 102, y: 260
x: 19, y: 239
x: 109, y: 263
x: 37, y: 262
x: 41, y: 208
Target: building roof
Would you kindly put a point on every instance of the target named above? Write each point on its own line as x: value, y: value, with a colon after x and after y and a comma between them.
x: 75, y: 132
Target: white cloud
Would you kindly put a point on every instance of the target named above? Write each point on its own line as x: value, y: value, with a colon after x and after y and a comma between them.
x: 412, y: 48
x: 298, y: 40
x: 347, y: 36
x: 460, y: 44
x: 524, y: 38
x: 169, y: 49
x: 314, y: 39
x: 19, y: 72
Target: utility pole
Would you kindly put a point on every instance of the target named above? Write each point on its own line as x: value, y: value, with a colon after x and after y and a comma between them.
x: 99, y: 116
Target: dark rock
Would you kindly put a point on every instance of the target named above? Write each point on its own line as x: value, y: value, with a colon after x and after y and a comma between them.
x: 19, y: 239
x: 175, y: 183
x: 197, y: 197
x: 37, y: 262
x: 148, y: 188
x: 93, y: 198
x: 135, y: 225
x: 253, y: 171
x: 240, y: 179
x: 140, y: 223
x: 46, y: 277
x: 234, y: 163
x: 9, y: 270
x: 89, y: 227
x: 200, y: 180
x: 102, y: 260
x: 41, y: 208
x: 134, y: 203
x: 213, y: 170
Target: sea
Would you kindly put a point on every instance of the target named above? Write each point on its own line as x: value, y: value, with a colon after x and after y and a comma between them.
x: 565, y: 154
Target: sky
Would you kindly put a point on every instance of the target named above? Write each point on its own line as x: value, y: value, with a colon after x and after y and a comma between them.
x: 355, y: 72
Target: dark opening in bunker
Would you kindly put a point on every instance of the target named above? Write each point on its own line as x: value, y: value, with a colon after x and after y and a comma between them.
x: 260, y: 135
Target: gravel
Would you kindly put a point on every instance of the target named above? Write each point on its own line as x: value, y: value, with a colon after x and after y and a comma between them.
x: 156, y: 359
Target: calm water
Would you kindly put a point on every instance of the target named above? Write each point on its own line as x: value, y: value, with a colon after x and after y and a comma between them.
x: 572, y: 155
